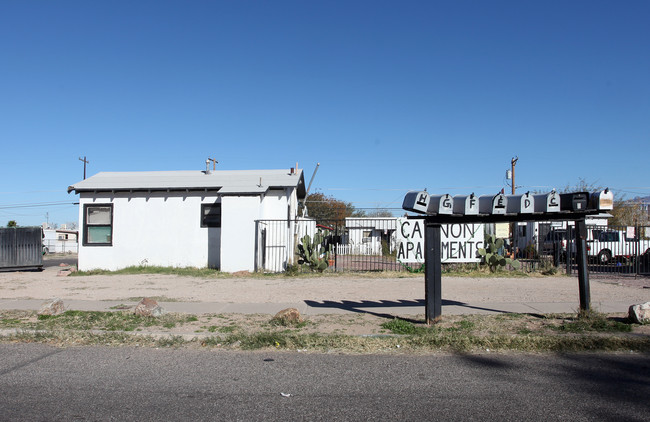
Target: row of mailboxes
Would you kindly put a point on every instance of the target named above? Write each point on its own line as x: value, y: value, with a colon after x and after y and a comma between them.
x: 500, y: 204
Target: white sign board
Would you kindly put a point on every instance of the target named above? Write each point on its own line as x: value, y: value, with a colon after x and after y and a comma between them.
x: 459, y: 242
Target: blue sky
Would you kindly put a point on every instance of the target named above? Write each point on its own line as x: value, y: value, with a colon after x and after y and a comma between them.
x: 387, y: 96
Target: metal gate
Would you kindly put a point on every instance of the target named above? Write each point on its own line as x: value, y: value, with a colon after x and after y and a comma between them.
x: 610, y: 250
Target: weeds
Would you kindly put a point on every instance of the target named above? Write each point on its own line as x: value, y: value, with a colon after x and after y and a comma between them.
x: 593, y: 321
x: 466, y: 333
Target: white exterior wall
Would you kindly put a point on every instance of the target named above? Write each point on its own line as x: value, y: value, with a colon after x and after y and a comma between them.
x: 162, y: 229
x: 238, y: 215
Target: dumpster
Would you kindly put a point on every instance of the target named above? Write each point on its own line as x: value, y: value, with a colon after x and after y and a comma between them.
x: 21, y: 248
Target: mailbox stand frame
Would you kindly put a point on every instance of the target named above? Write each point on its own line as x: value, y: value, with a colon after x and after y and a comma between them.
x: 433, y: 261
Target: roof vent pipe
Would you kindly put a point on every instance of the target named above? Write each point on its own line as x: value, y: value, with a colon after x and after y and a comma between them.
x: 207, y: 166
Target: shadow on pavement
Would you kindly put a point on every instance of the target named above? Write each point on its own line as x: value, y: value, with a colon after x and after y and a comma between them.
x: 363, y: 305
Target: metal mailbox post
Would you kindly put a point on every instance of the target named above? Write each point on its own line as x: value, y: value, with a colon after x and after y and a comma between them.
x: 492, y: 209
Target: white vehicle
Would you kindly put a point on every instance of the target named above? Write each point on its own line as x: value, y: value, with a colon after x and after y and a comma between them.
x: 613, y: 245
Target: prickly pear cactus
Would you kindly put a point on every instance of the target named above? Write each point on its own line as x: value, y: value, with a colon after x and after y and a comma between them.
x: 312, y: 252
x: 491, y: 255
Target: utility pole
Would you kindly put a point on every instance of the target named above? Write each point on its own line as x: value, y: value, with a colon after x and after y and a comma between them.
x: 85, y: 162
x: 214, y: 163
x: 513, y: 226
x: 513, y: 162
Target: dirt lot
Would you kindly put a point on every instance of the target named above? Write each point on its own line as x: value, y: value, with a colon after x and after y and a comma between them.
x: 378, y: 287
x: 46, y: 285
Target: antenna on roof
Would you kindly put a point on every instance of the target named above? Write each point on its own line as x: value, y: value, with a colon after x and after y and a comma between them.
x: 304, y: 206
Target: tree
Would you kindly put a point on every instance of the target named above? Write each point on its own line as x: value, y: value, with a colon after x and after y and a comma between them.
x: 582, y: 186
x: 322, y: 208
x: 630, y: 212
x: 626, y: 212
x: 12, y: 223
x: 379, y: 212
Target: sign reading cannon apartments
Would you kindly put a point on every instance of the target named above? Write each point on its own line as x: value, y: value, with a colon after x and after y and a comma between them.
x: 459, y: 242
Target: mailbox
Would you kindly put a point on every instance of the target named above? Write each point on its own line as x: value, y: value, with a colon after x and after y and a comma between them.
x: 547, y: 202
x: 602, y: 200
x: 575, y: 201
x: 521, y: 204
x: 416, y: 201
x: 466, y: 204
x: 489, y: 204
x: 440, y: 204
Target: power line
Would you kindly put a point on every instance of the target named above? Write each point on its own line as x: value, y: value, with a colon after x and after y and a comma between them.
x: 35, y: 205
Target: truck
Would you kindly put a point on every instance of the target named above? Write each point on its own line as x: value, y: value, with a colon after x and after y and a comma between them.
x: 606, y: 246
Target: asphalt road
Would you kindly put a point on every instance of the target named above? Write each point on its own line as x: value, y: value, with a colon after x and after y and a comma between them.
x: 39, y: 382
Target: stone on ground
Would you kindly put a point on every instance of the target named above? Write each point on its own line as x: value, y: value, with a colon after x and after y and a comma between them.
x: 149, y: 307
x: 54, y: 307
x: 640, y: 313
x: 288, y: 316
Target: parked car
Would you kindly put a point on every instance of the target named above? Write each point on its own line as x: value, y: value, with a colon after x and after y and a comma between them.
x: 555, y: 243
x: 607, y: 246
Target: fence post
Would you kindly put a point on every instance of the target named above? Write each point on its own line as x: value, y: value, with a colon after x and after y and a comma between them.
x: 583, y: 270
x: 637, y: 256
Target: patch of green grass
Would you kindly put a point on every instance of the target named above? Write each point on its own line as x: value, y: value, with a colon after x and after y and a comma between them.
x: 465, y: 325
x: 108, y: 321
x: 593, y: 321
x: 121, y: 306
x: 181, y: 271
x: 171, y: 341
x: 10, y: 322
x: 156, y: 298
x: 400, y: 326
x: 285, y: 322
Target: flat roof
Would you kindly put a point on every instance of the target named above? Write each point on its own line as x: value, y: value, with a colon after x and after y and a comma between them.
x: 227, y: 182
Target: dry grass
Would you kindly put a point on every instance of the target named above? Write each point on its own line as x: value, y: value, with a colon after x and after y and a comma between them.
x: 359, y: 333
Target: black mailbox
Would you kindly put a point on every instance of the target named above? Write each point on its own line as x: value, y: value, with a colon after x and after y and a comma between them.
x: 575, y: 201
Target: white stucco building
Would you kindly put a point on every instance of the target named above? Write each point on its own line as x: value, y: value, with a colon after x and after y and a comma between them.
x: 181, y: 218
x: 59, y: 240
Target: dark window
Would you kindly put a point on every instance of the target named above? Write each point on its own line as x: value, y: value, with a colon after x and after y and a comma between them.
x: 98, y: 225
x: 210, y: 215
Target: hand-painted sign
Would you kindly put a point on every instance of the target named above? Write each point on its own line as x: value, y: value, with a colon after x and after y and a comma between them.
x: 459, y: 242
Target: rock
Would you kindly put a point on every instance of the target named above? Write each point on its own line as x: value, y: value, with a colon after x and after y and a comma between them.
x: 64, y: 273
x: 241, y: 274
x: 63, y: 264
x: 640, y: 313
x: 55, y: 307
x: 149, y: 307
x: 288, y: 316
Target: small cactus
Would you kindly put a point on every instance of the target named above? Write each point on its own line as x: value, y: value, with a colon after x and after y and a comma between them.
x: 491, y: 255
x: 312, y: 252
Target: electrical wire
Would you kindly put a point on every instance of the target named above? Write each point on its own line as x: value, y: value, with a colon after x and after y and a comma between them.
x: 35, y: 205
